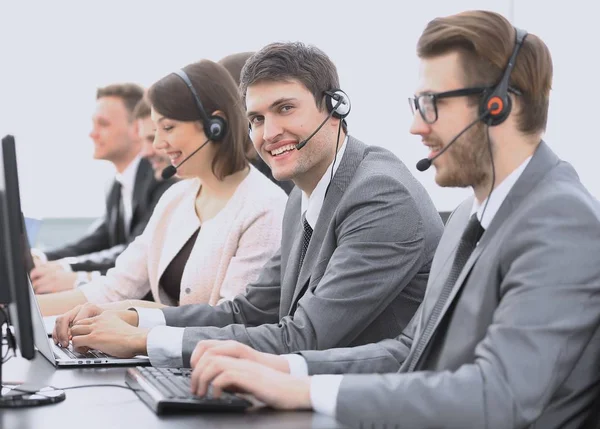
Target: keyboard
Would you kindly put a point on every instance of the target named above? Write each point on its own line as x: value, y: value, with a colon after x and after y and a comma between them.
x: 89, y: 354
x: 166, y: 390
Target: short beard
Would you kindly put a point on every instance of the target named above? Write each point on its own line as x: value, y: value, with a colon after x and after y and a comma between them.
x: 470, y: 160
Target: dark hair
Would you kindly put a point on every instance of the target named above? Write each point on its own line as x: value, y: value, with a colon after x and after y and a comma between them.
x: 142, y: 109
x: 279, y: 62
x: 130, y: 93
x: 234, y: 64
x: 485, y: 41
x: 217, y: 91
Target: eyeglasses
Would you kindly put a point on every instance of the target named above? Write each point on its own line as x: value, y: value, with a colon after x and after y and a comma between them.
x: 426, y: 104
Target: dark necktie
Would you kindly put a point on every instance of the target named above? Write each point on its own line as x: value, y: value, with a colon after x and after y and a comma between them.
x: 305, y: 240
x: 306, y: 235
x: 120, y: 234
x: 467, y: 244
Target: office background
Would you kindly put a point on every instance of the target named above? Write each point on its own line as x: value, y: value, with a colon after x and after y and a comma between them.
x: 56, y: 54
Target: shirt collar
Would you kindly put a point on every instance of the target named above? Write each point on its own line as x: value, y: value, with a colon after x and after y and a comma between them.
x: 312, y: 205
x: 497, y: 197
x: 127, y: 177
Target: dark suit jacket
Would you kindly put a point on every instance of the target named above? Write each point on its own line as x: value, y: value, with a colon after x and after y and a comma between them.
x: 98, y: 250
x: 363, y: 275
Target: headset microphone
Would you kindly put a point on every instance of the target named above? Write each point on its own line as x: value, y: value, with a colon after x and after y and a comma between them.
x: 338, y: 110
x: 303, y: 142
x: 425, y: 163
x: 170, y: 171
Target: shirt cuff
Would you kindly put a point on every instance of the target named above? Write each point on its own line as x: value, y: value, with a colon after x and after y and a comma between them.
x: 149, y: 317
x: 37, y: 253
x: 298, y: 366
x: 165, y: 346
x: 94, y: 293
x: 65, y: 265
x: 324, y: 391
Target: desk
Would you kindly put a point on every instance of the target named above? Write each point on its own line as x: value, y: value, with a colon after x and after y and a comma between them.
x: 112, y: 407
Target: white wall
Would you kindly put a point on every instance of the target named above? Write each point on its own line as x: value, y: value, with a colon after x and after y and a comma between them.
x: 53, y: 56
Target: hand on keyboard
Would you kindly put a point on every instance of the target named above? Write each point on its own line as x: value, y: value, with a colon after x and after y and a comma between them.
x: 206, y: 349
x: 169, y: 389
x: 272, y: 387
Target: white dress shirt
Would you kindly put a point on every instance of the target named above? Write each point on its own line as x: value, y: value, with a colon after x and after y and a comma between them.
x: 311, y: 205
x: 324, y: 388
x: 165, y: 343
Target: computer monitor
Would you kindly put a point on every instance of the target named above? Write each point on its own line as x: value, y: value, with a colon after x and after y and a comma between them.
x: 12, y: 244
x: 12, y: 233
x: 5, y: 295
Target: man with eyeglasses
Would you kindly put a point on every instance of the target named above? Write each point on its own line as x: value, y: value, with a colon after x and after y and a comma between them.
x: 508, y: 333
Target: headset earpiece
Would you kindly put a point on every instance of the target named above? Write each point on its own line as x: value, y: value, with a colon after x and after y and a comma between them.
x: 332, y: 100
x: 217, y: 127
x: 496, y: 104
x: 214, y: 126
x: 495, y: 109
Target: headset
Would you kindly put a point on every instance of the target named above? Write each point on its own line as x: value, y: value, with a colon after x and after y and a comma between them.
x: 496, y: 104
x: 341, y: 107
x: 214, y: 126
x: 338, y: 105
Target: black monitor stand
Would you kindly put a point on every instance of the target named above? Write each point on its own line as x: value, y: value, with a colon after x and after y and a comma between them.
x: 27, y: 394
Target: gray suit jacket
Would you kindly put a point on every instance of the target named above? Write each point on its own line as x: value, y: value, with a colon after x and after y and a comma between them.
x: 518, y: 343
x: 363, y: 276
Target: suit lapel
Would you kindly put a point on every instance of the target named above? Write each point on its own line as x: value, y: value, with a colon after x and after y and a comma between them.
x: 291, y: 273
x: 352, y: 157
x: 290, y: 248
x: 542, y: 161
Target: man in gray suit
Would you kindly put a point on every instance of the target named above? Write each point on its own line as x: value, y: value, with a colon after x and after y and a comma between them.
x: 359, y: 233
x: 508, y: 333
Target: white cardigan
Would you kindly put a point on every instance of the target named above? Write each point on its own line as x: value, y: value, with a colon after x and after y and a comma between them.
x: 229, y: 252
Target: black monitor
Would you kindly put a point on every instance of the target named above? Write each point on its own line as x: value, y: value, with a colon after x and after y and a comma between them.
x: 12, y: 244
x: 12, y: 234
x: 5, y: 295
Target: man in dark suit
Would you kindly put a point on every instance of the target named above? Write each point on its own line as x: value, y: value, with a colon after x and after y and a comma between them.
x: 129, y: 203
x: 508, y: 334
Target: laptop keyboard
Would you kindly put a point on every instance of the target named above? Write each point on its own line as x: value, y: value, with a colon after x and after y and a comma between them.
x: 89, y: 354
x: 174, y: 387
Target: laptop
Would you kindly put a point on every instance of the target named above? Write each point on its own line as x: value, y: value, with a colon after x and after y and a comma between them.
x: 32, y: 226
x: 68, y: 357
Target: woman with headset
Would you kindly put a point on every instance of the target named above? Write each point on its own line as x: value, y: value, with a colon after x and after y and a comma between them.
x: 210, y: 234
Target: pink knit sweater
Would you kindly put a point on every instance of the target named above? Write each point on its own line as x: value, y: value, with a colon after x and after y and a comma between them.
x: 229, y: 252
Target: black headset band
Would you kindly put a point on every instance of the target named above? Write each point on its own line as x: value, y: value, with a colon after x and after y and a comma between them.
x: 505, y: 81
x: 183, y: 75
x: 496, y: 105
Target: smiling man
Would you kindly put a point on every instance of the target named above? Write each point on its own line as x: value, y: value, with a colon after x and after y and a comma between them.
x: 359, y: 233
